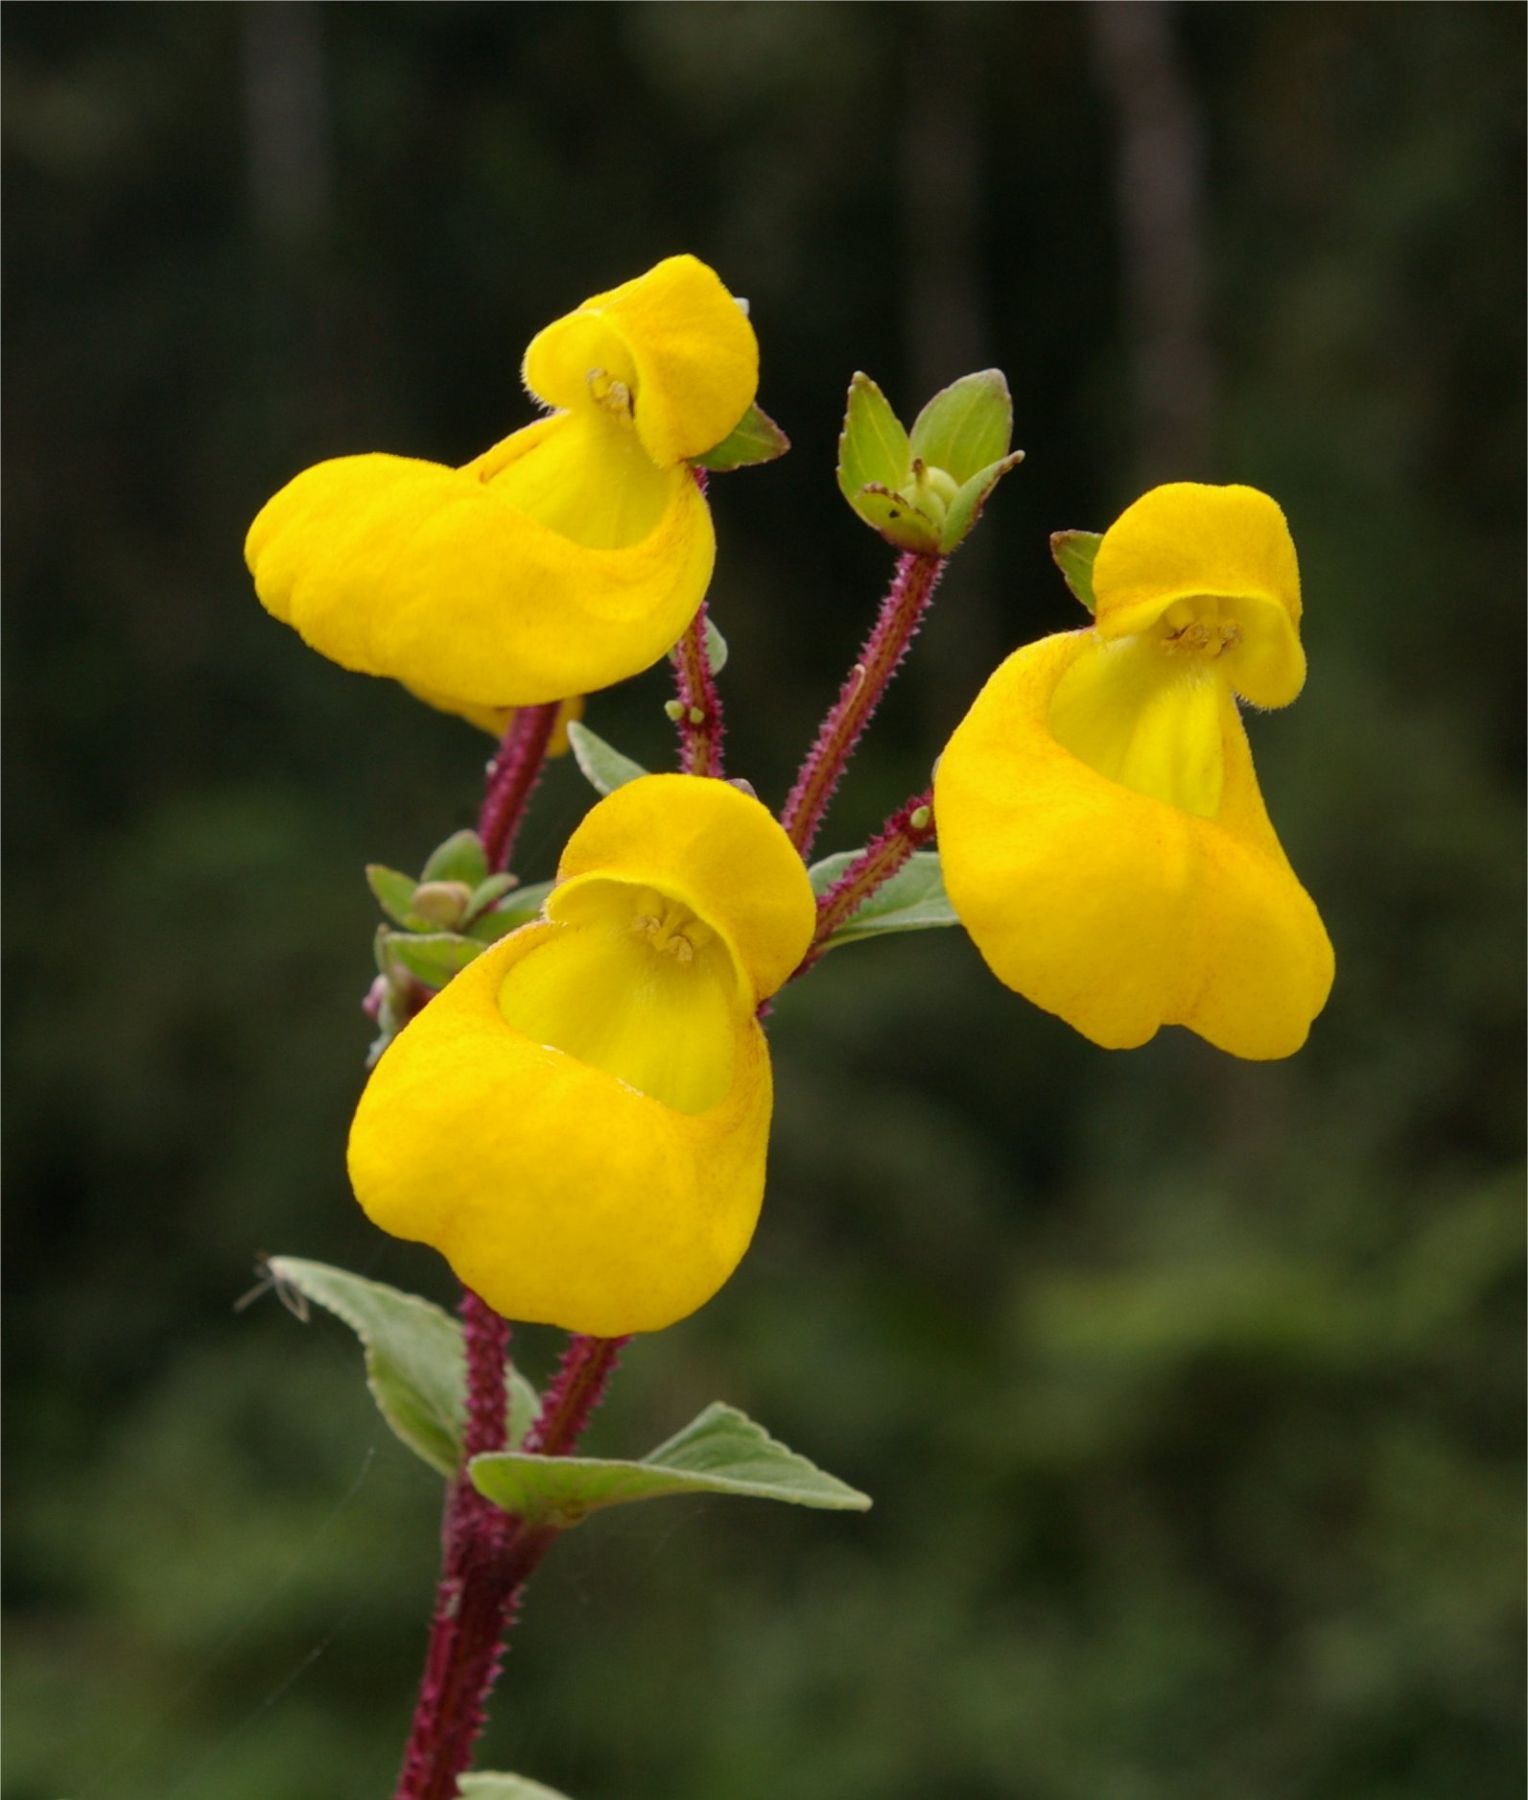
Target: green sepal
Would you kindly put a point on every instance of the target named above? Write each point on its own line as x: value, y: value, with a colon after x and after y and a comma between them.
x: 913, y: 900
x: 967, y: 426
x: 873, y: 449
x: 416, y: 1366
x: 432, y: 957
x: 517, y: 909
x: 897, y: 519
x: 966, y: 508
x: 483, y: 1786
x: 755, y: 439
x: 721, y: 1451
x: 1073, y: 553
x: 603, y: 765
x: 394, y: 892
x: 459, y: 858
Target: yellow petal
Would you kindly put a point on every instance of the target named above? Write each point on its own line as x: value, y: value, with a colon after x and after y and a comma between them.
x: 438, y: 578
x: 675, y: 338
x: 714, y: 848
x: 557, y: 1190
x: 1229, y: 545
x: 1111, y: 908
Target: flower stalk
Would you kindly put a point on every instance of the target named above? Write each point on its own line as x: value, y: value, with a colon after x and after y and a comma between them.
x: 896, y: 625
x: 512, y: 778
x: 697, y: 709
x: 908, y: 829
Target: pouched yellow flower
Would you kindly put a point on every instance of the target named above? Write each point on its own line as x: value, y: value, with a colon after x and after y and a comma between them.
x: 578, y: 1121
x: 567, y: 557
x: 1102, y: 833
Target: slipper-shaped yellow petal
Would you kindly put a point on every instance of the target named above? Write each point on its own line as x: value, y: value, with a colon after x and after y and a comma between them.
x: 579, y: 1121
x: 569, y: 556
x: 1101, y: 830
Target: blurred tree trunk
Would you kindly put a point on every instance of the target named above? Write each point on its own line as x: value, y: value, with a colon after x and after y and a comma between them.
x: 1159, y: 191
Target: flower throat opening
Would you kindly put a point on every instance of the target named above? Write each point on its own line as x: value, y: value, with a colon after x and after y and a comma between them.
x: 636, y: 984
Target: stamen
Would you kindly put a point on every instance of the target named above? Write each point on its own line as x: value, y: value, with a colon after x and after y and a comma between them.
x: 1195, y: 628
x: 606, y: 391
x: 672, y: 930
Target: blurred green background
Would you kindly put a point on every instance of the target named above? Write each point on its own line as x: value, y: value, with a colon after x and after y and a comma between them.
x: 1188, y: 1390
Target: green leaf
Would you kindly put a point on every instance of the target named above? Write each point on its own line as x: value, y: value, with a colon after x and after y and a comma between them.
x: 433, y: 957
x: 966, y: 426
x: 1073, y: 553
x: 913, y: 900
x: 484, y: 1786
x: 966, y: 508
x: 486, y: 892
x: 415, y: 1365
x: 873, y: 450
x: 716, y: 647
x: 394, y: 892
x: 721, y: 1451
x: 517, y: 909
x: 755, y: 439
x: 897, y: 520
x: 603, y: 765
x: 459, y: 858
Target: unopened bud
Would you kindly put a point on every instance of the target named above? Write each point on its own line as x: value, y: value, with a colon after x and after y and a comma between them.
x: 920, y: 818
x: 674, y: 709
x: 442, y: 903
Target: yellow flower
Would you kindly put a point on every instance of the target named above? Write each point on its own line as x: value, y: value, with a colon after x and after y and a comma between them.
x: 1100, y: 825
x: 578, y: 1121
x: 569, y: 556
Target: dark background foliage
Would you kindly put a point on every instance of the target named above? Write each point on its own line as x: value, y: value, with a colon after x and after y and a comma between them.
x: 1188, y: 1390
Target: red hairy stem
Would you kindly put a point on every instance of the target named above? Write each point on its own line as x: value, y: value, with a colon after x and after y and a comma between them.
x: 699, y: 707
x: 486, y: 1565
x: 512, y: 778
x: 908, y: 829
x: 575, y: 1394
x: 896, y: 625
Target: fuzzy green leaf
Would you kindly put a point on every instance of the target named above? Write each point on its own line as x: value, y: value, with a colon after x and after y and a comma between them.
x: 897, y: 520
x: 966, y: 508
x: 873, y: 450
x: 415, y: 1365
x: 394, y: 893
x: 966, y: 426
x: 484, y: 1786
x: 433, y: 957
x: 722, y: 1451
x: 459, y: 858
x: 755, y: 439
x: 913, y: 900
x: 1073, y: 553
x: 603, y: 765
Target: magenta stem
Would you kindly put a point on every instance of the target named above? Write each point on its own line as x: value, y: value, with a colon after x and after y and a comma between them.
x: 699, y: 719
x: 908, y: 829
x: 576, y: 1392
x: 895, y: 627
x: 512, y: 778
